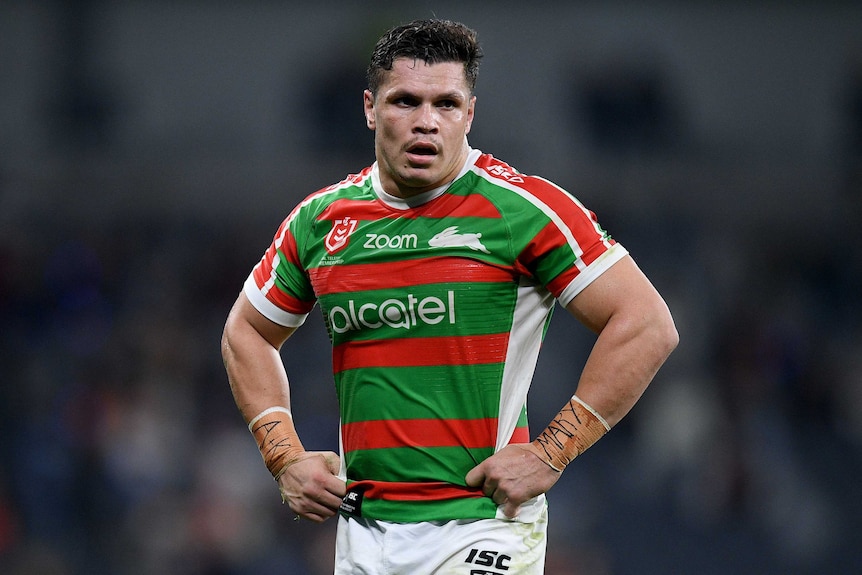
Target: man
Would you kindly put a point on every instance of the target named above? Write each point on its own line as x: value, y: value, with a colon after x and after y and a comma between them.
x: 436, y: 270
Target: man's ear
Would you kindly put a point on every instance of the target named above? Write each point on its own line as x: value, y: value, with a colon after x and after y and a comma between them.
x: 368, y: 105
x: 471, y: 110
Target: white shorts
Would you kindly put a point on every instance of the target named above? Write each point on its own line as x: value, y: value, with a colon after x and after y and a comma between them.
x: 460, y: 547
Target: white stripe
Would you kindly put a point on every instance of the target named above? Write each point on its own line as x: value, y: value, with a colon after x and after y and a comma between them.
x: 528, y: 323
x: 595, y: 269
x: 273, y: 273
x: 268, y: 309
x: 266, y: 412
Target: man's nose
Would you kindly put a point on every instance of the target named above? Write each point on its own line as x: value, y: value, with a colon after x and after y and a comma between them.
x: 426, y: 122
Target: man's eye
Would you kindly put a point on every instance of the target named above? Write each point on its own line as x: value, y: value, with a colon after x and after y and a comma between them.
x: 448, y: 104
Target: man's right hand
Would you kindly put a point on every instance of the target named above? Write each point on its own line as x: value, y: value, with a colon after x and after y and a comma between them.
x: 311, y: 487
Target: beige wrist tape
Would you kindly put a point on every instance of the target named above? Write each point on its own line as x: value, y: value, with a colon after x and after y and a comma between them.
x: 276, y: 438
x: 571, y: 432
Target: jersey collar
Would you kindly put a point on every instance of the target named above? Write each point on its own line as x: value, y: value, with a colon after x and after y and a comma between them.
x: 424, y: 197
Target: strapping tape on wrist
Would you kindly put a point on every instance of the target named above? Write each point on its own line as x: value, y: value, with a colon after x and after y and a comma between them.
x: 276, y: 438
x: 575, y: 428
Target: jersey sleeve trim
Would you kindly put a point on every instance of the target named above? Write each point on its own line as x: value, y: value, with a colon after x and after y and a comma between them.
x: 614, y: 254
x: 268, y: 309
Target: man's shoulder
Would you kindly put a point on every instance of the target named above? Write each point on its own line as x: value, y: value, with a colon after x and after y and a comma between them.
x: 501, y: 173
x: 490, y: 164
x: 353, y: 185
x: 356, y: 180
x: 500, y: 176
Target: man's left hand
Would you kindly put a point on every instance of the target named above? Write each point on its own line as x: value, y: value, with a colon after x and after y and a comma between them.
x: 513, y: 476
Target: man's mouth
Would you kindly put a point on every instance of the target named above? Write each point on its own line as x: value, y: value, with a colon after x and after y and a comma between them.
x: 421, y: 155
x: 422, y: 149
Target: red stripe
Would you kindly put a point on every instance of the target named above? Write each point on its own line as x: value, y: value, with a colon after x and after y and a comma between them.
x: 397, y: 491
x: 548, y: 239
x: 363, y: 210
x: 559, y: 283
x: 288, y: 303
x: 593, y: 251
x: 381, y: 434
x: 427, y: 491
x: 420, y: 351
x: 454, y: 206
x: 447, y: 205
x: 405, y: 273
x: 520, y: 435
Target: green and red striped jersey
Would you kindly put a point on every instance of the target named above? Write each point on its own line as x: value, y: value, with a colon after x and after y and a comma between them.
x: 436, y: 307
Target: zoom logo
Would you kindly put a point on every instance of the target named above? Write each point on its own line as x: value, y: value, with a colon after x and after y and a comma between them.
x: 382, y: 241
x: 491, y: 559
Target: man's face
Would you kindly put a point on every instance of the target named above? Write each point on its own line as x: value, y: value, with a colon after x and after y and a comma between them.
x: 420, y: 117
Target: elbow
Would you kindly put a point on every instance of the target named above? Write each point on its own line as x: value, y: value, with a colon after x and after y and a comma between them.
x: 671, y: 338
x: 665, y: 332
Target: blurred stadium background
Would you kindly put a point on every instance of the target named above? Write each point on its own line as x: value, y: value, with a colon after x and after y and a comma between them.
x: 148, y: 150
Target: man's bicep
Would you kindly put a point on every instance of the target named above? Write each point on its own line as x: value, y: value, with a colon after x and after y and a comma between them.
x: 623, y: 286
x: 245, y: 316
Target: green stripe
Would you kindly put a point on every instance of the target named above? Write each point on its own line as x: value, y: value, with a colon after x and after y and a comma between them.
x: 290, y: 279
x: 522, y: 419
x: 413, y: 511
x: 420, y: 392
x: 555, y: 262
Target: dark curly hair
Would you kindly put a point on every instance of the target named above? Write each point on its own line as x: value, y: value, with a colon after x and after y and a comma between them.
x: 433, y: 41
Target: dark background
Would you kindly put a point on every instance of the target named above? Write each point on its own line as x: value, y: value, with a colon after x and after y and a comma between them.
x: 148, y: 150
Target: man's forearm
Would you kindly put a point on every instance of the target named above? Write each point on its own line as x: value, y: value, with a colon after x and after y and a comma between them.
x: 260, y: 389
x: 635, y: 337
x: 619, y: 369
x: 254, y: 368
x: 574, y: 430
x: 624, y: 360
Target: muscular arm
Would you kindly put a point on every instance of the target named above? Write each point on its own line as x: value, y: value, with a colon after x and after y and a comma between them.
x: 635, y: 335
x: 250, y: 350
x: 258, y: 381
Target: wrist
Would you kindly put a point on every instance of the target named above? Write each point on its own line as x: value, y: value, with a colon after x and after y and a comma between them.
x: 276, y: 439
x: 575, y: 428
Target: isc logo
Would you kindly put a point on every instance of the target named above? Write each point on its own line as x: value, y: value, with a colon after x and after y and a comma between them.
x: 486, y: 558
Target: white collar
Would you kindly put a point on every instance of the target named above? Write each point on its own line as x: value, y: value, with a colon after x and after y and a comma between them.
x: 424, y: 197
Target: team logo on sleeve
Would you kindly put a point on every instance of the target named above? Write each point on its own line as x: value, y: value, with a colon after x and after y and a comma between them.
x: 339, y: 235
